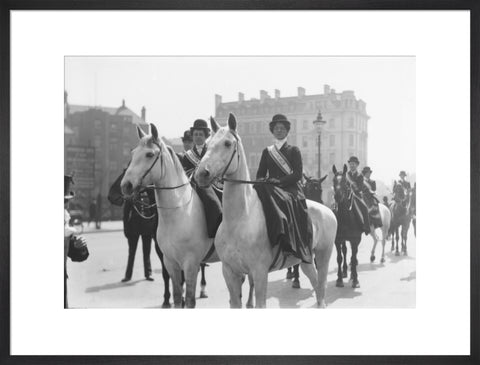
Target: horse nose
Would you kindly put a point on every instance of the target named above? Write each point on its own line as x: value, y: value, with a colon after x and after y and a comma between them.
x: 127, y: 188
x: 206, y: 172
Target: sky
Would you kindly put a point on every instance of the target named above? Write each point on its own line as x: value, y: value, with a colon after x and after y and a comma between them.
x: 177, y: 90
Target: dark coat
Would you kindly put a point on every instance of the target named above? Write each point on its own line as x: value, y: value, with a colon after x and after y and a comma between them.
x: 212, y: 205
x: 358, y: 206
x: 269, y: 169
x: 133, y: 223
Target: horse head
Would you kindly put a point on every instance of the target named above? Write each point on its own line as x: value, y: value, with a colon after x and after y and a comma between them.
x: 145, y: 156
x: 313, y: 188
x: 223, y: 153
x: 340, y: 187
x: 398, y: 192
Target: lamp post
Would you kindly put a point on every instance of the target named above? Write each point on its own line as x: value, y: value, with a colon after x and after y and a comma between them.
x: 319, y: 123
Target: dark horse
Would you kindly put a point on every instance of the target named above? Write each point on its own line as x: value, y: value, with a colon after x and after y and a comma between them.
x: 312, y: 189
x: 401, y: 216
x: 349, y: 229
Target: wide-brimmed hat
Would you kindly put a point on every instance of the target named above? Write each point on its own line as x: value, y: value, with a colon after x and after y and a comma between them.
x: 67, y: 182
x: 354, y: 159
x: 187, y: 136
x: 279, y: 118
x: 402, y: 173
x: 202, y: 125
x: 366, y: 170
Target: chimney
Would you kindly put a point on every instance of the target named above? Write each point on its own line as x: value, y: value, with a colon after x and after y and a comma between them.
x: 277, y: 94
x: 65, y: 97
x: 144, y: 114
x: 123, y: 103
x: 241, y: 97
x: 218, y: 100
x: 301, y: 91
x: 263, y: 95
x: 326, y: 89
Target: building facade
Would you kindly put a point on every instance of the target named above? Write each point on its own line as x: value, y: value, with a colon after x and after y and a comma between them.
x: 344, y: 134
x: 98, y: 141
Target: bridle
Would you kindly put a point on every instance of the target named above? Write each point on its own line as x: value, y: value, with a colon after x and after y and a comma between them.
x: 144, y: 188
x: 235, y: 151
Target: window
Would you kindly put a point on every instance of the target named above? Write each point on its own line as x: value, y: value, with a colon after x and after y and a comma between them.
x: 251, y: 127
x: 331, y: 123
x: 350, y: 140
x: 305, y: 141
x: 332, y: 140
x: 305, y: 124
x: 331, y: 158
x: 351, y: 123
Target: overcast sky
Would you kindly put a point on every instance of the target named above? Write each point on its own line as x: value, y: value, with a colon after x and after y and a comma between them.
x: 178, y: 90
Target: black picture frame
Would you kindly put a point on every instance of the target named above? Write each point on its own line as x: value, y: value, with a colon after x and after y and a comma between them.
x: 7, y: 6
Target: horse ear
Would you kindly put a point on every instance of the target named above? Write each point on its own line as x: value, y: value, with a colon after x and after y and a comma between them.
x: 334, y: 169
x: 154, y: 132
x: 323, y: 178
x: 140, y: 132
x: 232, y: 122
x: 214, y: 125
x: 344, y: 168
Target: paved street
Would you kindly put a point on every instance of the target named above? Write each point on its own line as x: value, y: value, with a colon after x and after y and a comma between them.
x: 95, y: 283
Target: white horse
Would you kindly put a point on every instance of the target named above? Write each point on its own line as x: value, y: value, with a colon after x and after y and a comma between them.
x: 242, y: 242
x: 182, y: 229
x: 386, y: 218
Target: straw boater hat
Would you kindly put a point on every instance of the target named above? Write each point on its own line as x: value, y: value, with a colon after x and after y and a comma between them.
x: 279, y: 118
x: 366, y: 170
x: 354, y: 159
x: 202, y: 125
x: 187, y: 137
x: 67, y: 181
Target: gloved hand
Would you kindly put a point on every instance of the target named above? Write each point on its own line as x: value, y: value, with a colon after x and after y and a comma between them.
x: 274, y: 181
x: 79, y: 242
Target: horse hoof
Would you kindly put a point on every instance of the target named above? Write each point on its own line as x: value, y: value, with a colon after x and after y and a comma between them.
x: 203, y: 295
x: 296, y: 284
x: 166, y: 305
x: 183, y: 303
x: 355, y: 284
x: 372, y: 258
x: 322, y: 304
x: 289, y: 275
x: 405, y: 253
x: 397, y: 253
x: 382, y: 260
x: 339, y: 283
x: 344, y: 274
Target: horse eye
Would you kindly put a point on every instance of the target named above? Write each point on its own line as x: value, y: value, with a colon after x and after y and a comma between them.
x: 150, y: 154
x: 228, y: 144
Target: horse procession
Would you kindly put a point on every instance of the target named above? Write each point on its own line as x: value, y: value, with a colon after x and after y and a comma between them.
x: 202, y: 206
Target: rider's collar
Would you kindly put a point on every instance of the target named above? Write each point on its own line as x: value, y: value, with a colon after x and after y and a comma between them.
x: 280, y: 142
x: 200, y: 148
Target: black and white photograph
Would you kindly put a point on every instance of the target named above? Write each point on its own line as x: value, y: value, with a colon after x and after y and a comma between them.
x: 266, y: 182
x: 226, y: 161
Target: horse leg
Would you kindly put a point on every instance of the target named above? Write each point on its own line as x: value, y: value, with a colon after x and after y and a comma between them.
x: 311, y: 274
x: 354, y: 244
x: 375, y: 241
x: 289, y: 273
x: 166, y: 277
x: 338, y: 246
x: 404, y: 238
x: 260, y: 278
x: 250, y: 291
x: 176, y: 275
x: 322, y: 259
x: 191, y: 274
x: 234, y: 285
x: 203, y: 283
x: 344, y: 252
x: 414, y: 222
x: 296, y: 281
x: 397, y: 236
x: 384, y: 241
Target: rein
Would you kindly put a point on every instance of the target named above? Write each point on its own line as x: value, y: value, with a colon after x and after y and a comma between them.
x: 235, y: 151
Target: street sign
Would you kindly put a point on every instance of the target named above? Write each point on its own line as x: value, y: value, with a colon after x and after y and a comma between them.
x: 81, y: 161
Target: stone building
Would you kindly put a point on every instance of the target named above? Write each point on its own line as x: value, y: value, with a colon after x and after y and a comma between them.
x: 344, y: 134
x: 98, y: 141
